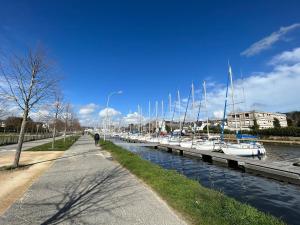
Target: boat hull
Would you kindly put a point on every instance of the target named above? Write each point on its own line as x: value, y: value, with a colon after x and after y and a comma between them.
x: 186, y: 144
x: 243, y: 150
x: 174, y: 143
x: 207, y: 146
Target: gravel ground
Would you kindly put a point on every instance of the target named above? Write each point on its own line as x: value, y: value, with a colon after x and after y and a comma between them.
x: 86, y: 187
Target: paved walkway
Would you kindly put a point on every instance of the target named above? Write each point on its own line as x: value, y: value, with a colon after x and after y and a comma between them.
x: 86, y: 187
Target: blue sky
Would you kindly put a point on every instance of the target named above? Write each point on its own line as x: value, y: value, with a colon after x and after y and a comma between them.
x: 149, y: 49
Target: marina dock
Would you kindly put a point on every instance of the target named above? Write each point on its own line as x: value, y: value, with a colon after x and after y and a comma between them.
x: 284, y: 171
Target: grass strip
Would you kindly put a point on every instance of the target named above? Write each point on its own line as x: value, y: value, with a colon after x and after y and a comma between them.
x: 60, y: 145
x: 199, y: 205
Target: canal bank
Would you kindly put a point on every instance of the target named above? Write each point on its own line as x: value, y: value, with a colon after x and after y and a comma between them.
x: 278, y: 198
x: 201, y: 205
x: 284, y: 170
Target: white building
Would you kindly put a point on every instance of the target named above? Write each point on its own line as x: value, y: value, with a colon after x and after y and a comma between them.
x: 245, y: 120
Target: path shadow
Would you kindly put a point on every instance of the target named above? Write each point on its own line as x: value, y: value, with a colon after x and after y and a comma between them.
x: 87, y: 197
x: 65, y: 157
x: 27, y: 165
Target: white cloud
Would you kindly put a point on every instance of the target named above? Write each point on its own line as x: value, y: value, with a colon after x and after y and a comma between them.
x: 3, y: 83
x: 184, y: 100
x: 89, y: 121
x: 88, y: 115
x: 268, y: 41
x: 13, y: 110
x: 39, y: 115
x: 286, y: 57
x: 275, y: 91
x: 133, y: 118
x: 87, y: 109
x: 218, y: 114
x: 111, y: 112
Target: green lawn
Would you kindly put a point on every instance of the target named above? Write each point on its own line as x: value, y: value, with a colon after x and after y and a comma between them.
x: 60, y: 145
x: 198, y: 205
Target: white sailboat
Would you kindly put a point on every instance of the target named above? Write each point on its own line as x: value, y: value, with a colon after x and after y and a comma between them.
x: 175, y: 140
x: 244, y: 149
x: 154, y: 139
x: 189, y: 142
x: 211, y: 143
x: 241, y: 148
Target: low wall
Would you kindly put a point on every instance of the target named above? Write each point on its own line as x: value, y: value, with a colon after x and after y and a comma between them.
x: 13, y: 138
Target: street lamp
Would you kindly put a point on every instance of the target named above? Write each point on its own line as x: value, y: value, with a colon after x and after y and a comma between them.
x: 107, y: 102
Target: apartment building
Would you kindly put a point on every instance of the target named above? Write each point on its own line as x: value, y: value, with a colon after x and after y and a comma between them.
x: 245, y: 120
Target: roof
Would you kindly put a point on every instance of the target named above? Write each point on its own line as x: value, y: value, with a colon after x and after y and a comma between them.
x: 253, y: 111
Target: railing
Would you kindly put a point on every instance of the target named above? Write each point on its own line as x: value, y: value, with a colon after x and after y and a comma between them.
x: 13, y: 138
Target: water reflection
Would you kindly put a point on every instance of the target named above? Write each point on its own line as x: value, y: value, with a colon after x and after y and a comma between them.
x: 279, y: 199
x: 280, y: 152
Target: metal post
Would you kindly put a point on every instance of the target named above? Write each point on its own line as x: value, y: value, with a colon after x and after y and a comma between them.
x: 107, y: 102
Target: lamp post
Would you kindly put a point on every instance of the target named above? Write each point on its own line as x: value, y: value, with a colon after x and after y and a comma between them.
x: 107, y: 102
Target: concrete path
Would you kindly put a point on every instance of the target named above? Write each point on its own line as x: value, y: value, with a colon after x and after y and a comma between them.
x: 86, y: 187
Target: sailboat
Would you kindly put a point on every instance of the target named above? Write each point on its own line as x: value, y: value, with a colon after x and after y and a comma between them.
x: 212, y: 142
x: 246, y: 145
x: 189, y: 142
x: 156, y: 138
x: 175, y: 139
x: 186, y: 142
x: 163, y: 139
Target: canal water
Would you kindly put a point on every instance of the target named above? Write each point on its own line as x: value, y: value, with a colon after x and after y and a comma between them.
x: 281, y: 152
x: 279, y: 199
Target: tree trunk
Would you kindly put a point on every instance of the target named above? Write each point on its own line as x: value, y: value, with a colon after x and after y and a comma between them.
x: 65, y: 132
x: 21, y: 138
x: 53, y: 136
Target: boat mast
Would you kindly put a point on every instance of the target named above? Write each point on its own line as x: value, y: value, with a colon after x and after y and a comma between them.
x: 193, y: 100
x: 129, y: 123
x: 243, y: 89
x: 162, y: 113
x: 162, y: 109
x: 170, y: 103
x: 179, y: 105
x: 198, y: 115
x: 232, y: 97
x: 173, y: 117
x: 141, y: 120
x: 187, y: 106
x: 156, y: 115
x: 138, y: 118
x: 149, y: 117
x: 224, y: 113
x: 205, y: 102
x: 244, y: 99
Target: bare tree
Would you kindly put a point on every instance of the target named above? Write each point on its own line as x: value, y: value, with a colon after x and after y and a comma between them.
x: 3, y: 112
x: 67, y: 112
x: 3, y: 102
x: 58, y: 109
x: 29, y: 83
x: 74, y: 124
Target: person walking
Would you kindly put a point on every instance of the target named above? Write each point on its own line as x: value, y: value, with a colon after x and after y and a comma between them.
x: 96, y: 138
